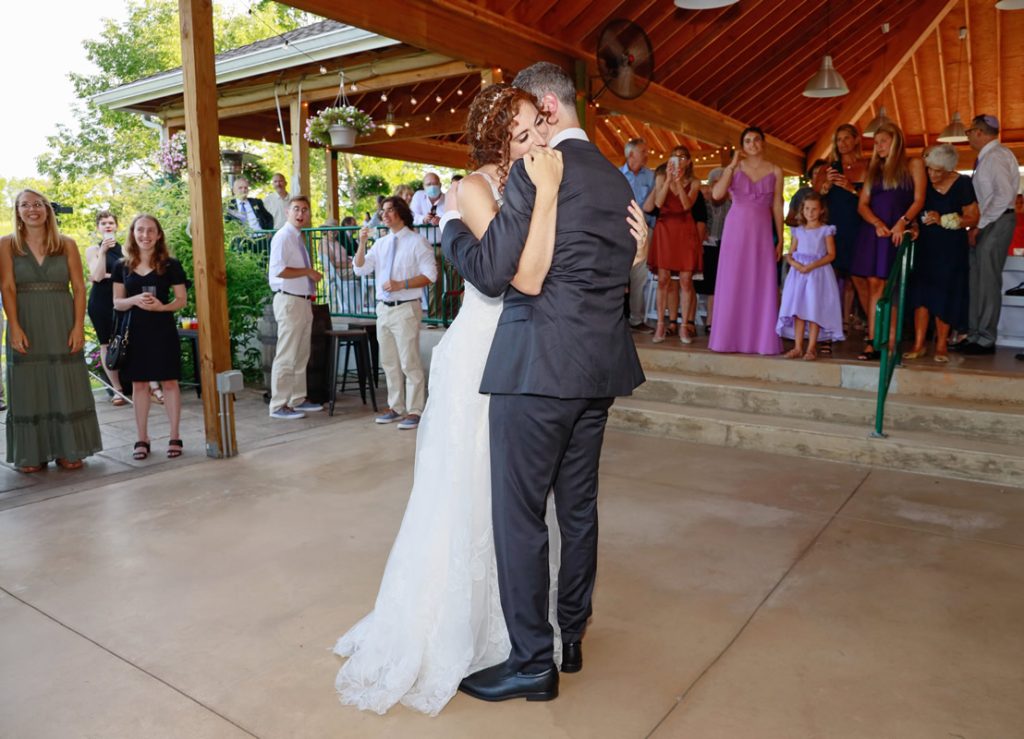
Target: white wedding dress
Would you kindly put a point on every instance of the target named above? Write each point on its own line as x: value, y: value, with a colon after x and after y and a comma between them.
x: 438, y: 617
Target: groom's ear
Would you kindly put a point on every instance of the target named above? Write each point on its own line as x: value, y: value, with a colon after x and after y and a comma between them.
x: 549, y: 107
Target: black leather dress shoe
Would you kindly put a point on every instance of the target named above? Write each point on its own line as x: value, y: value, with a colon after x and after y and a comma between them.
x: 572, y: 656
x: 977, y: 350
x: 502, y: 683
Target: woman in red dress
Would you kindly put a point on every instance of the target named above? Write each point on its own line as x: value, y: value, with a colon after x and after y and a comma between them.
x: 675, y: 246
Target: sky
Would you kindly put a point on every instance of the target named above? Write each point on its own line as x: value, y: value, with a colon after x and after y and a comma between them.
x: 42, y: 42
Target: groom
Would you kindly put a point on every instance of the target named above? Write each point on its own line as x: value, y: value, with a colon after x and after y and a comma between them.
x: 557, y: 362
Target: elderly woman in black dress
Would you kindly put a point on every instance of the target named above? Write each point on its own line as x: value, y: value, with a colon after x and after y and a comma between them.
x: 939, y: 283
x: 150, y: 284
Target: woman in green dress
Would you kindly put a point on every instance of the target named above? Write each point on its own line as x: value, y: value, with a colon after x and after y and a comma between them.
x: 51, y: 413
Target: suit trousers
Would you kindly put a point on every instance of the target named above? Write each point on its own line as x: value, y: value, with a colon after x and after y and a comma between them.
x: 541, y: 444
x: 294, y: 318
x: 987, y: 260
x: 398, y: 335
x: 638, y: 277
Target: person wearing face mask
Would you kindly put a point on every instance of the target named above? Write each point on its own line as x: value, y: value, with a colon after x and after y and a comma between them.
x: 428, y: 205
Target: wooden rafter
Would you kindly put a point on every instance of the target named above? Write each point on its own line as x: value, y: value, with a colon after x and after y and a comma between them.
x: 971, y: 99
x: 485, y: 38
x: 920, y: 97
x: 942, y: 75
x: 917, y: 26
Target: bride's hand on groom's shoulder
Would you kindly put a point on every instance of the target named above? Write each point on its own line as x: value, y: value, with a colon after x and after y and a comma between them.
x: 544, y: 167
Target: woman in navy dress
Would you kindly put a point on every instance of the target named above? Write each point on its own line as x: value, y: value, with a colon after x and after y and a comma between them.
x: 939, y: 283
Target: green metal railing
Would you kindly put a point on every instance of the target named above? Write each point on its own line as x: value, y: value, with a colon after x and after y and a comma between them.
x: 895, y: 285
x: 352, y: 296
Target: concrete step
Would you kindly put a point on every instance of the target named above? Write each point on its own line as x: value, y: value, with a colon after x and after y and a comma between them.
x: 917, y: 380
x: 910, y: 451
x: 1001, y: 423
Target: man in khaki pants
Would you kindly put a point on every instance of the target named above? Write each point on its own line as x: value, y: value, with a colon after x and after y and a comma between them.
x: 404, y: 264
x: 293, y: 282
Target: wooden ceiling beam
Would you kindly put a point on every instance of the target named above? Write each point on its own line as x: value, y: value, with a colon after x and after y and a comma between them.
x: 485, y: 39
x: 441, y: 123
x: 423, y: 151
x: 919, y: 24
x: 942, y: 75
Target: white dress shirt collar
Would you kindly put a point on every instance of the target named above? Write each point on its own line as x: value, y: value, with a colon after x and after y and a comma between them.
x: 570, y: 133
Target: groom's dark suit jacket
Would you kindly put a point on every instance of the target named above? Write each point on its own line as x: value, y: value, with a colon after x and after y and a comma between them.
x: 572, y: 340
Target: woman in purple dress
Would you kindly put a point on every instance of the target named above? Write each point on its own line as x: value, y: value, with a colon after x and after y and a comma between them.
x: 892, y: 196
x: 746, y: 291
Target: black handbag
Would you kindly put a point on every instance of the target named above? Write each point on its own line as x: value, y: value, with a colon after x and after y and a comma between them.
x: 117, y: 349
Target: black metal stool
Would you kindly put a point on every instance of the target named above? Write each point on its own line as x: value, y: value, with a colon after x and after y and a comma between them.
x: 353, y: 339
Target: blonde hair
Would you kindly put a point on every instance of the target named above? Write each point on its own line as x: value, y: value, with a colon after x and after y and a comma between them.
x: 53, y: 241
x: 894, y: 170
x: 403, y: 191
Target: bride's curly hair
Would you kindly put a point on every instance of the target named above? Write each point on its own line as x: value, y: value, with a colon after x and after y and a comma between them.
x: 489, y: 125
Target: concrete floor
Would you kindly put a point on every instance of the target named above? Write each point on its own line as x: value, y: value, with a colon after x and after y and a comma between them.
x: 739, y: 595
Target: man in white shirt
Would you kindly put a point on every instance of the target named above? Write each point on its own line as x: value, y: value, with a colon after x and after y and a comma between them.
x: 996, y: 180
x: 293, y: 281
x: 428, y: 205
x: 276, y: 202
x: 404, y: 264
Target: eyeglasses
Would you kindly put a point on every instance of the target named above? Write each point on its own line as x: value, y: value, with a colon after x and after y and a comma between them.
x: 32, y: 206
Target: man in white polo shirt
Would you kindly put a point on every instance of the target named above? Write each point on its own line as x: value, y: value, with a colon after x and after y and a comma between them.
x: 293, y: 281
x: 404, y: 264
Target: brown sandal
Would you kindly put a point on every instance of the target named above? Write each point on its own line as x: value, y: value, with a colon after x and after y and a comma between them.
x: 68, y: 464
x: 175, y: 448
x: 31, y: 469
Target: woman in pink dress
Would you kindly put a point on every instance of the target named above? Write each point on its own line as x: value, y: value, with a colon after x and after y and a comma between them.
x: 747, y: 292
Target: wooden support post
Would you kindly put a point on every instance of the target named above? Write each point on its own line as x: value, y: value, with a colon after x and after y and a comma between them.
x: 299, y: 112
x: 331, y: 169
x: 201, y: 129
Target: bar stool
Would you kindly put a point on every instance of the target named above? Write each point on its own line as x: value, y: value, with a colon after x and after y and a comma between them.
x: 355, y: 339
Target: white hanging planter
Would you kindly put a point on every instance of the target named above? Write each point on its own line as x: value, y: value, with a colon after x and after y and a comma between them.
x: 342, y: 137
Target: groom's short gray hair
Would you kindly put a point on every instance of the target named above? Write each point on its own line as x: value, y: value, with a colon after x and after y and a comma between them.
x: 544, y: 77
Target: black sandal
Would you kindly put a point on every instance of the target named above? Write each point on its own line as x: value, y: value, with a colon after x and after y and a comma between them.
x: 825, y: 349
x: 175, y: 448
x: 141, y: 450
x: 868, y: 355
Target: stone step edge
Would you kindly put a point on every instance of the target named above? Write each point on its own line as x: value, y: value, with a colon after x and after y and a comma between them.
x: 918, y: 452
x: 909, y: 402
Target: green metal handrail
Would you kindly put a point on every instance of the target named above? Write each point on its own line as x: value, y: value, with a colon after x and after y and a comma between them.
x: 351, y: 296
x: 897, y: 283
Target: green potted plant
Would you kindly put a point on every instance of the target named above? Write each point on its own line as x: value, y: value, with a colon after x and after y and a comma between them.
x: 338, y: 126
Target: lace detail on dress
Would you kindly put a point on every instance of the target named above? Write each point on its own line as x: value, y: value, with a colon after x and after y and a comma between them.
x: 438, y: 616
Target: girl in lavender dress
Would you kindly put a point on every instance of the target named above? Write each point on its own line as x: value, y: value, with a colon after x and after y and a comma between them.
x: 810, y: 297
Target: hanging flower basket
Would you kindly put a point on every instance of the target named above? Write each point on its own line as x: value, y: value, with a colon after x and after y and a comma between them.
x: 344, y: 122
x: 342, y: 137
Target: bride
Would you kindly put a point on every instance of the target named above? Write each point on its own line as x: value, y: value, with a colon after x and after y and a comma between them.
x: 438, y: 617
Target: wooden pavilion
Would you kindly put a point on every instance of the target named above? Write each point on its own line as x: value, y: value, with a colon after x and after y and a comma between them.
x: 715, y: 71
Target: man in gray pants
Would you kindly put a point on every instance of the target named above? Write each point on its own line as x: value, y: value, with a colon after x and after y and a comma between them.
x: 996, y: 180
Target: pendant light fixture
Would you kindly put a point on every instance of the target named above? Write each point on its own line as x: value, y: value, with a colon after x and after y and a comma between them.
x: 954, y: 133
x: 389, y: 122
x: 703, y: 4
x: 1009, y: 5
x: 881, y: 118
x: 826, y: 82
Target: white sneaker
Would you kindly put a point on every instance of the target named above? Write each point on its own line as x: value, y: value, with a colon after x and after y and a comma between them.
x: 308, y: 407
x: 287, y: 414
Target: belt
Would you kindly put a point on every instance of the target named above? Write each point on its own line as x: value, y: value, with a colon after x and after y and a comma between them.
x: 293, y: 295
x: 393, y: 303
